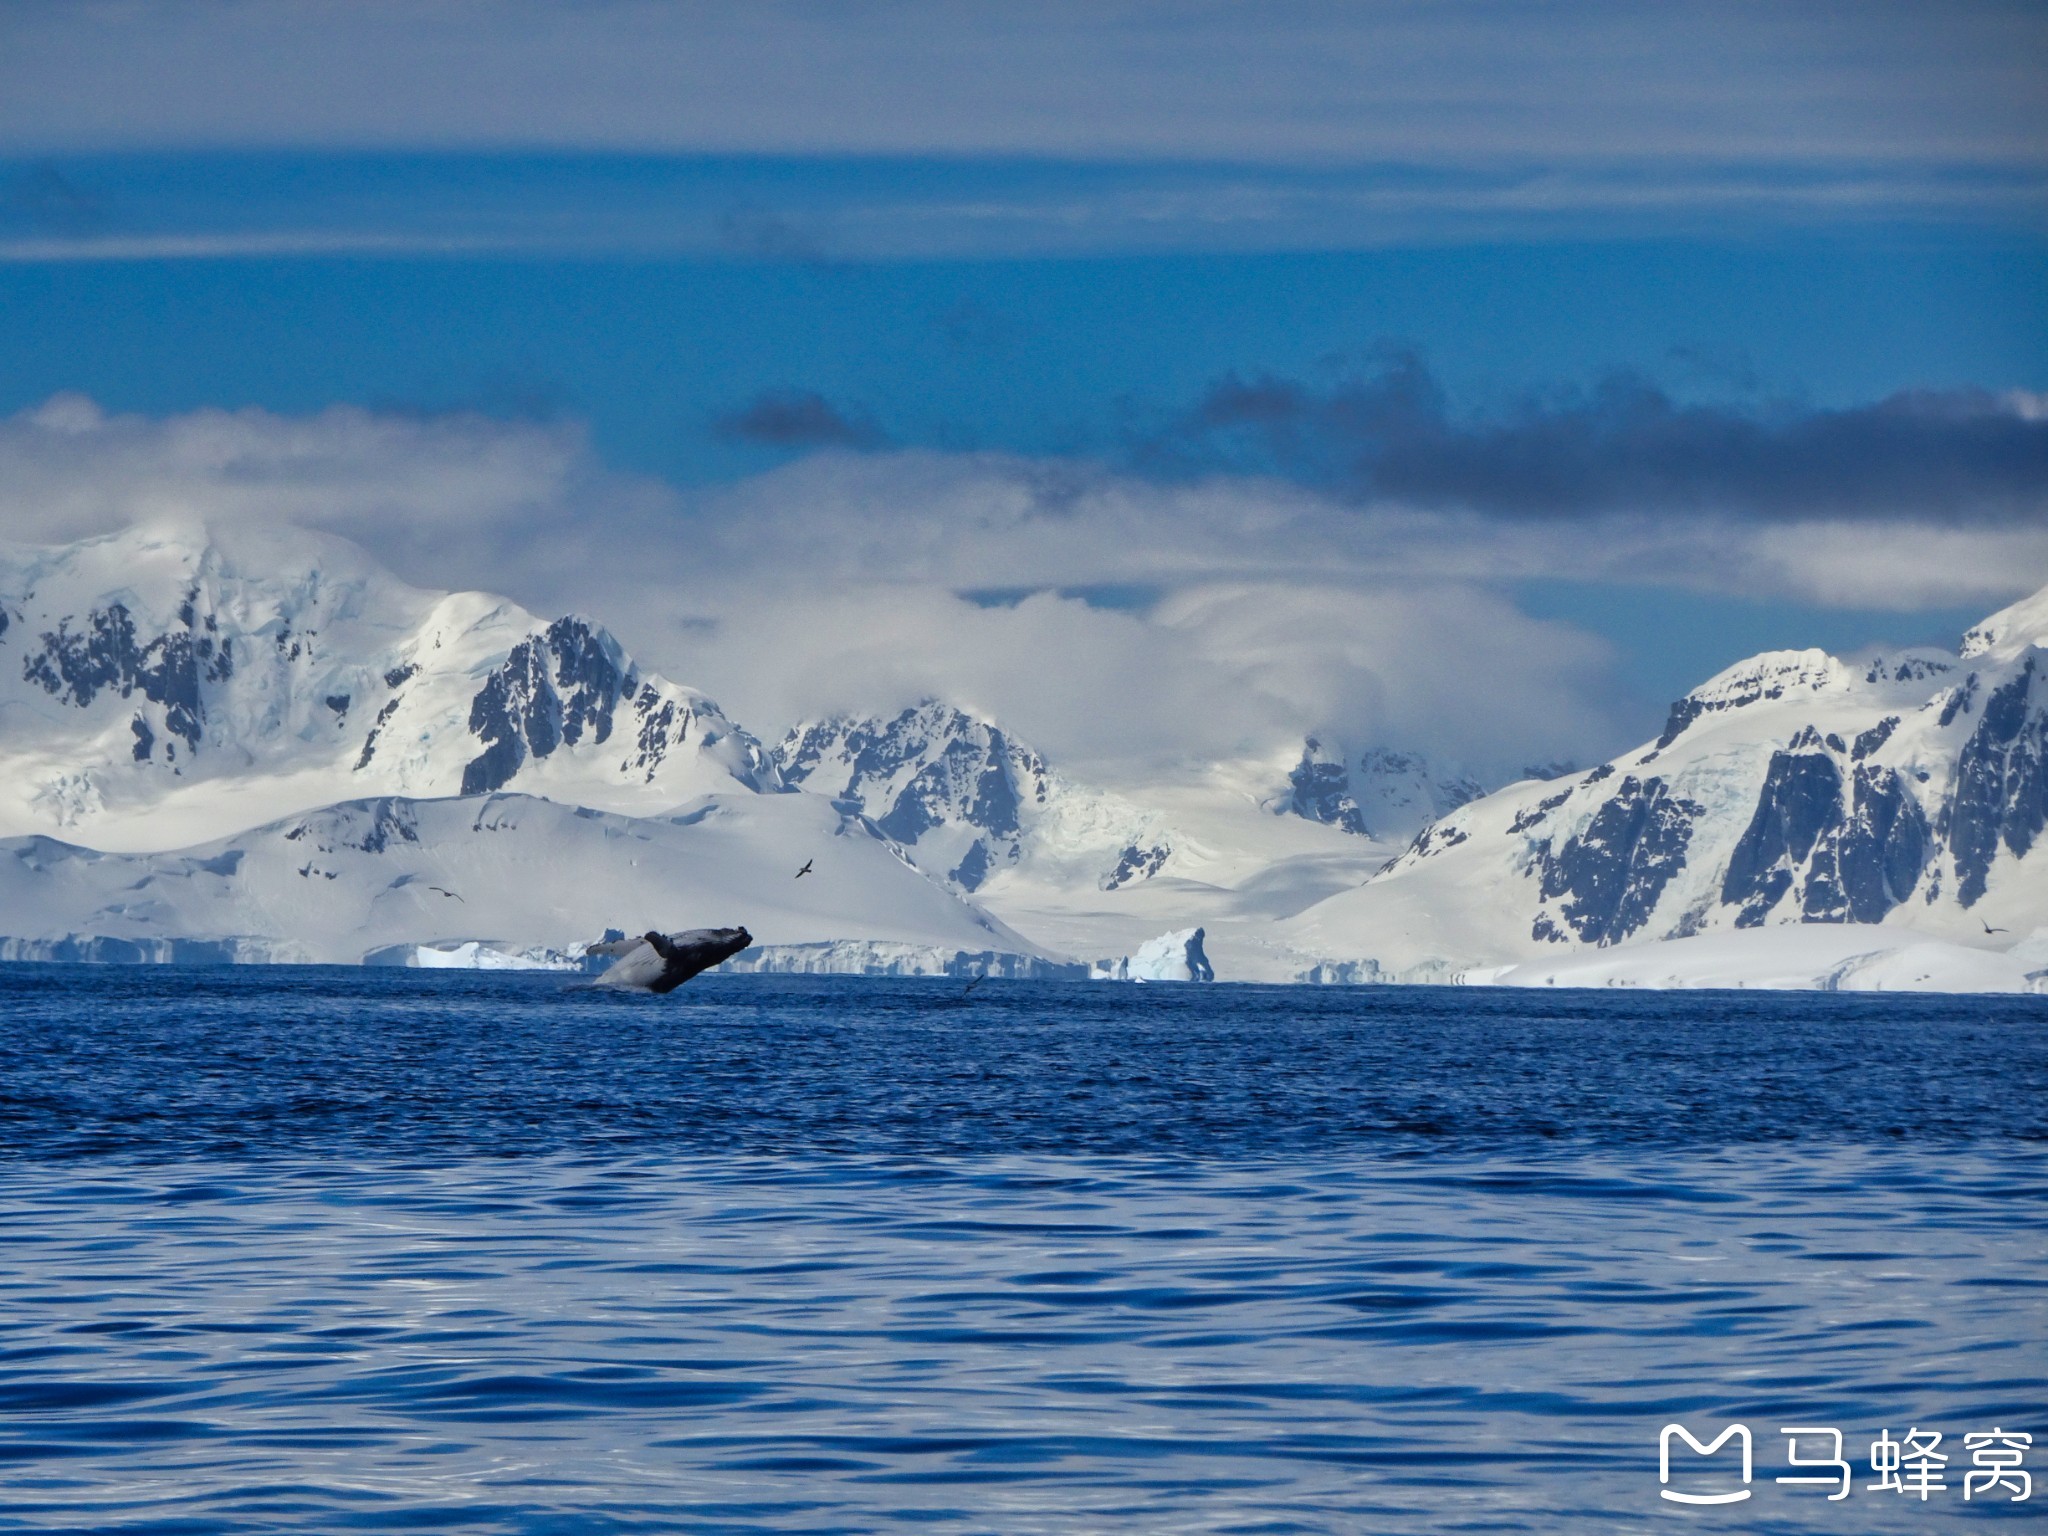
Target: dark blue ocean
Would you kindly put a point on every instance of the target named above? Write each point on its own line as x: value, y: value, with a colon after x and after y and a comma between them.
x: 353, y: 1250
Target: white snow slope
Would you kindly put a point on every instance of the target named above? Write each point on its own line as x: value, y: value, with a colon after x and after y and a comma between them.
x: 344, y: 882
x: 1832, y: 957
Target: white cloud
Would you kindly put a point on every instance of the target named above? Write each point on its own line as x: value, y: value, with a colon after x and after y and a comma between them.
x: 440, y: 495
x: 970, y: 521
x: 1214, y: 671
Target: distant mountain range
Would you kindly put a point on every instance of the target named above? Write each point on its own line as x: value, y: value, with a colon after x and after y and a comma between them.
x: 198, y: 729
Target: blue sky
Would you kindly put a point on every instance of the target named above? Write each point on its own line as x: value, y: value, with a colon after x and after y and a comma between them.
x: 794, y: 250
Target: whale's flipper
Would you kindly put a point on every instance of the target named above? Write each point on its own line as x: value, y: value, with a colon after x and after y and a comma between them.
x: 657, y: 962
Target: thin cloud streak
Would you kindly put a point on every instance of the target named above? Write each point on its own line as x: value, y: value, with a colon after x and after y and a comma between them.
x: 1288, y: 81
x: 242, y: 244
x: 754, y: 209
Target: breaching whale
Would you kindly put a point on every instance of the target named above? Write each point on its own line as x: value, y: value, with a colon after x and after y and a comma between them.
x: 657, y: 962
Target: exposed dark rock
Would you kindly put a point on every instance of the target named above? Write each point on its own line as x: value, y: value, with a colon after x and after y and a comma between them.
x: 1614, y: 871
x: 1320, y: 791
x: 973, y: 869
x: 591, y: 676
x: 1692, y: 707
x: 370, y: 741
x: 1683, y: 713
x: 1801, y: 800
x: 930, y: 766
x: 551, y: 689
x: 1533, y: 815
x: 515, y: 713
x: 364, y: 826
x: 1881, y: 852
x: 995, y: 798
x: 1852, y: 863
x: 1135, y: 864
x: 660, y: 724
x: 2000, y: 795
x: 145, y: 738
x: 1436, y: 838
x: 1959, y: 700
x: 108, y: 656
x: 916, y: 811
x: 1870, y: 740
x: 1919, y: 669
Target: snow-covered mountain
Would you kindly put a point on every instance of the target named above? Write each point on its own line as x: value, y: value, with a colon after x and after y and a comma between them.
x: 262, y: 745
x: 174, y: 702
x: 971, y: 802
x: 1907, y: 789
x: 1375, y: 793
x: 158, y: 687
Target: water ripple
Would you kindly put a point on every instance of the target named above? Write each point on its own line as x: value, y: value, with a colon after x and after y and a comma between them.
x: 343, y: 1252
x: 745, y: 1344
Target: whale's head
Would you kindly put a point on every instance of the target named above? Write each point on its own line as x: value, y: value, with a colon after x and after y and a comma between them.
x: 685, y: 954
x: 727, y: 942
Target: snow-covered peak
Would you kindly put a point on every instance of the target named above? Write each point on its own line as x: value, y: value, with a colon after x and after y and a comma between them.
x: 967, y: 798
x: 1768, y: 677
x: 2010, y: 631
x: 166, y: 684
x: 1378, y: 793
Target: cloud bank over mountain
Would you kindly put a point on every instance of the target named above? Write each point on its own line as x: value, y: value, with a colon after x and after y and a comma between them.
x: 1111, y: 616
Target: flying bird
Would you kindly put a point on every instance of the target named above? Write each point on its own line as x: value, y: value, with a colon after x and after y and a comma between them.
x: 447, y: 893
x: 806, y: 869
x: 1989, y: 929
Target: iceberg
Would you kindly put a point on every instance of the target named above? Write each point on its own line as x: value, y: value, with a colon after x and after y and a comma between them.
x: 1174, y: 956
